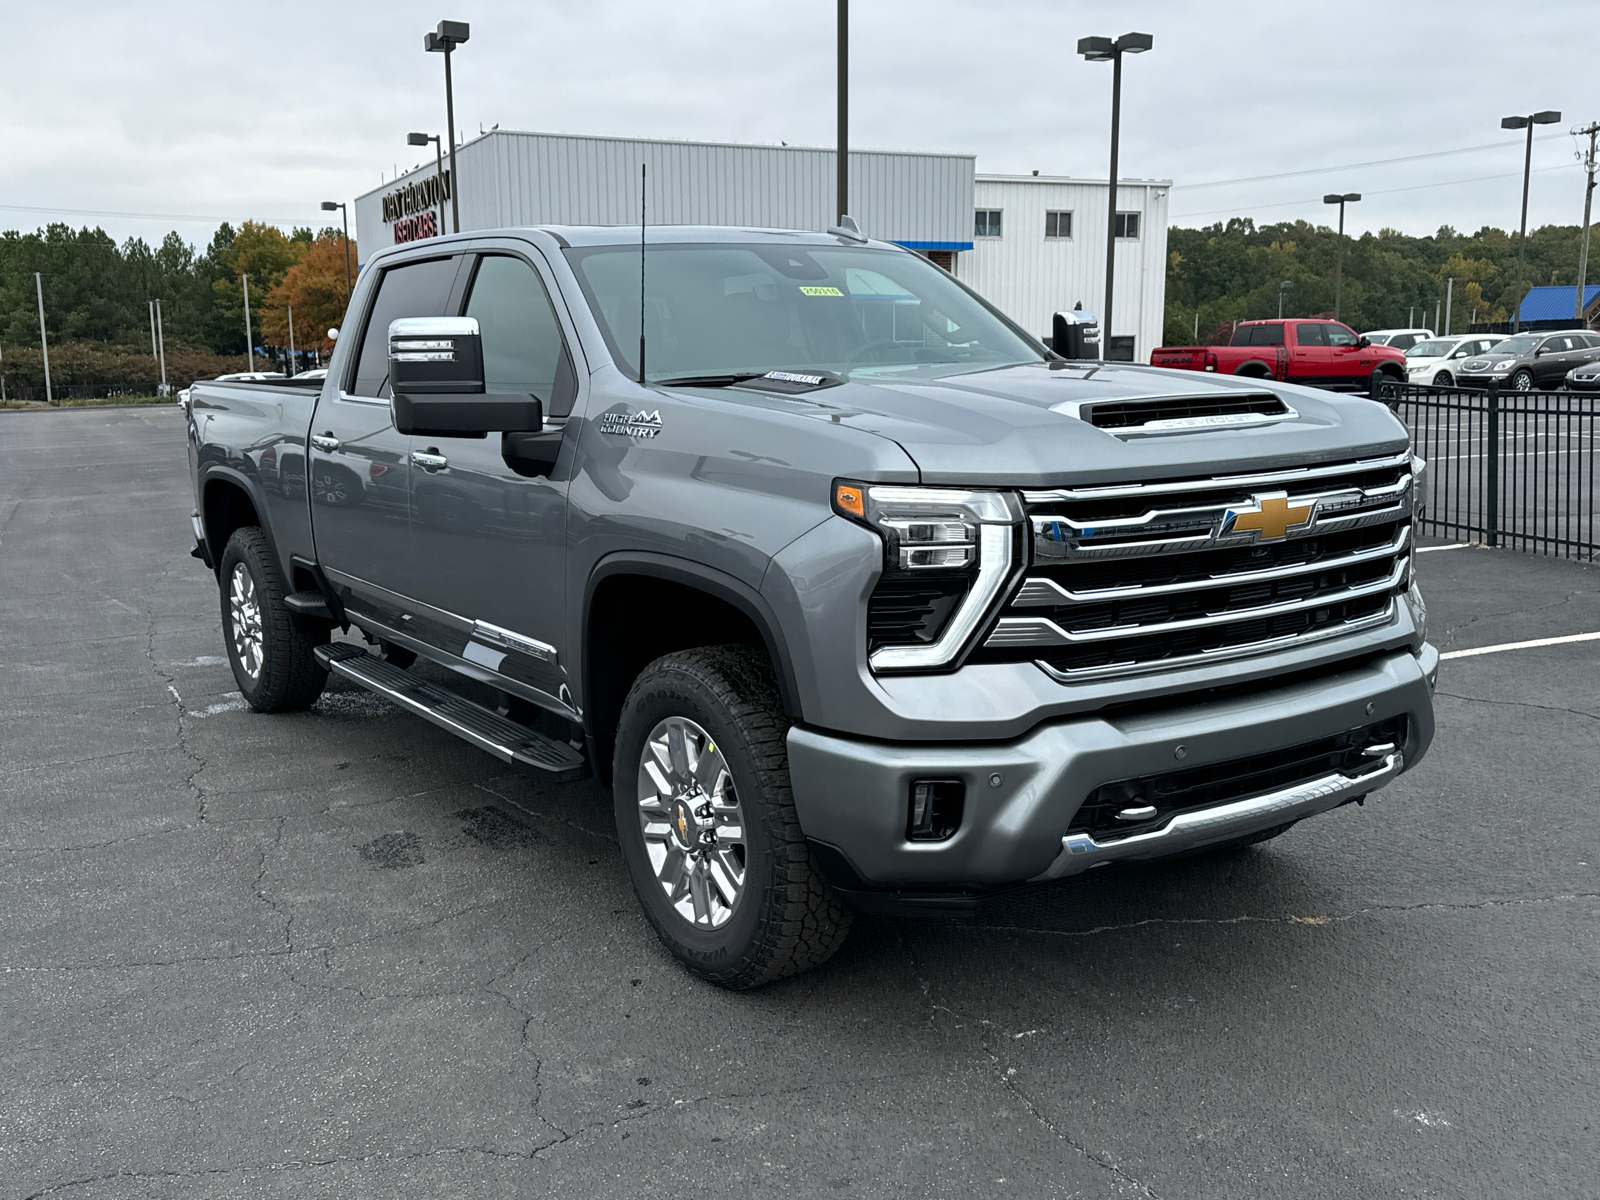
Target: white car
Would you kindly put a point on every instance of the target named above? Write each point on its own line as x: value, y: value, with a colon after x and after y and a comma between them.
x: 1398, y: 339
x: 1435, y: 360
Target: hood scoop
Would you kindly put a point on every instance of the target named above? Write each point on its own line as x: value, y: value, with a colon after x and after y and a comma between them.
x: 1156, y: 415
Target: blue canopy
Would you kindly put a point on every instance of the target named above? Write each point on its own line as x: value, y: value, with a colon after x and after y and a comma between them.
x: 1555, y: 303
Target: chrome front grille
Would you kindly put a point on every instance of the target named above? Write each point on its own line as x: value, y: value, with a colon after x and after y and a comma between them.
x: 1135, y: 578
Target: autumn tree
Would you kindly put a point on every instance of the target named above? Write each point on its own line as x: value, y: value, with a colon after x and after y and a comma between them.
x: 263, y: 253
x: 314, y: 288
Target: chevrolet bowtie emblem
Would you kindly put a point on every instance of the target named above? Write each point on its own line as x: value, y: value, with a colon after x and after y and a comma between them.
x: 1272, y: 517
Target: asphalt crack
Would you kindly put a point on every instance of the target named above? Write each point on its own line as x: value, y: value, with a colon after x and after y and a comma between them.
x: 1576, y: 712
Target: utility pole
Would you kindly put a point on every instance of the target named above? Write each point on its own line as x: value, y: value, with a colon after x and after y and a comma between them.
x: 249, y: 340
x: 291, y: 341
x: 1437, y: 305
x: 1588, y: 196
x: 1449, y: 295
x: 44, y: 340
x: 151, y: 305
x: 161, y: 348
x: 842, y: 170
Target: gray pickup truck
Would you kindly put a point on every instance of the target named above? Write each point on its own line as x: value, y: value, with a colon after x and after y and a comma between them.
x: 856, y: 596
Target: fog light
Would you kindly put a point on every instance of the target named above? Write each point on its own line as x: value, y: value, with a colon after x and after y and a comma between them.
x: 935, y: 809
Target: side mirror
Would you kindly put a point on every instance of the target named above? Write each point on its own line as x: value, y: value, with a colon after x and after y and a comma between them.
x: 1363, y: 342
x: 436, y: 378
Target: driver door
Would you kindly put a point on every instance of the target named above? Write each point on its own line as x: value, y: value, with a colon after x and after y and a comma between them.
x: 1348, y: 362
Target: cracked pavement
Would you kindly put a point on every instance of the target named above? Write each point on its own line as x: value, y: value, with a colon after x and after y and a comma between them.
x: 340, y: 954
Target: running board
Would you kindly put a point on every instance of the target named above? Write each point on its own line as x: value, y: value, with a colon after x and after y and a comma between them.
x: 483, y: 727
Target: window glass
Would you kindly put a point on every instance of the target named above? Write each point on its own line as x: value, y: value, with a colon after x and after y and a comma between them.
x: 1403, y: 341
x: 730, y: 308
x: 1311, y: 335
x: 1338, y: 335
x: 522, y: 344
x: 986, y: 222
x: 419, y: 289
x: 1433, y: 348
x: 1127, y: 225
x: 1058, y: 224
x: 1554, y: 345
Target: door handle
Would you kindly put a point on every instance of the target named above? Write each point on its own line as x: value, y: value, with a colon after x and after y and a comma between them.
x: 325, y: 442
x: 429, y: 460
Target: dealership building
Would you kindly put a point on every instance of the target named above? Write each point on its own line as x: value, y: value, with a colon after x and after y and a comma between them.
x: 1030, y: 244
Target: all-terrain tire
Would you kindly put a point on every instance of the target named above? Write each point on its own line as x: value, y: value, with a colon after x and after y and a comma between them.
x: 271, y: 650
x: 787, y: 918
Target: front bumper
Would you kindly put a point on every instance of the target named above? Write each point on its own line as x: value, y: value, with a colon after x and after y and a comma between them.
x: 1583, y: 385
x: 851, y: 795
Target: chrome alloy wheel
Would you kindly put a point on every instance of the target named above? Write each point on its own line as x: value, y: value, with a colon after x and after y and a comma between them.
x: 692, y: 823
x: 245, y: 610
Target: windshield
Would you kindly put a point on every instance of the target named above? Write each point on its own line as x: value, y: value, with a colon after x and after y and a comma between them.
x: 1434, y: 349
x: 1514, y: 347
x: 718, y: 310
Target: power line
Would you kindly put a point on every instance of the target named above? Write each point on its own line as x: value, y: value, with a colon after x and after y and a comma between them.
x: 1377, y: 162
x: 96, y: 212
x: 1416, y: 187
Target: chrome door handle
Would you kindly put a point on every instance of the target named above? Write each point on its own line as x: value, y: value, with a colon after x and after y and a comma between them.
x: 428, y: 461
x: 325, y: 442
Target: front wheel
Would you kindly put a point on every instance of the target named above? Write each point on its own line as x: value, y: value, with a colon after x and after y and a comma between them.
x: 1443, y: 379
x: 271, y: 650
x: 1522, y: 381
x: 700, y: 785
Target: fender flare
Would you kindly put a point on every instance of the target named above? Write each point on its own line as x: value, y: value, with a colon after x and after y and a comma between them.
x: 1255, y: 367
x: 707, y: 579
x: 252, y: 489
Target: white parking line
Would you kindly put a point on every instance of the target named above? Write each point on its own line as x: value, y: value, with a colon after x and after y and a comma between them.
x: 1555, y: 641
x: 1451, y: 546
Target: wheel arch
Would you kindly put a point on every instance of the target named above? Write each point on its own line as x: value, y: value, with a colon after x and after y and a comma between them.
x: 229, y: 501
x: 639, y: 605
x: 1254, y: 369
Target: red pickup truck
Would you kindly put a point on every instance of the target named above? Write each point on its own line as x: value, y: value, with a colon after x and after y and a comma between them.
x: 1323, y: 353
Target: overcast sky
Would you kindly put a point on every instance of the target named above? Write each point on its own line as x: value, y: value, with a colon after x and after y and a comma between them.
x: 222, y: 110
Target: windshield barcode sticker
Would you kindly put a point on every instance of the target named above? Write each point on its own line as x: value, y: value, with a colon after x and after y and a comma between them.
x: 820, y: 291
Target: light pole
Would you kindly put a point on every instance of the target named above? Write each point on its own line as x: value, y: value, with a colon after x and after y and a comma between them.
x: 842, y: 171
x: 443, y: 40
x: 249, y: 341
x: 161, y: 346
x: 1282, y: 288
x: 44, y: 341
x: 1528, y: 122
x: 422, y: 139
x: 1338, y: 269
x: 291, y: 341
x: 1102, y: 49
x: 329, y: 206
x: 1588, y: 196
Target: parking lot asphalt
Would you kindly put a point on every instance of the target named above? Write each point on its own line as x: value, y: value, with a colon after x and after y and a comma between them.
x: 341, y: 954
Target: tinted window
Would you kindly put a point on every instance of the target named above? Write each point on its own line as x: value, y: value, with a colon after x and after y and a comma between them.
x: 415, y: 290
x: 1338, y: 335
x: 1554, y: 345
x: 1310, y: 335
x: 522, y: 344
x: 1403, y: 341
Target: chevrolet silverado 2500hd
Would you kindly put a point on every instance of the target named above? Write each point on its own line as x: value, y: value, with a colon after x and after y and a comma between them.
x: 856, y: 596
x: 1322, y: 353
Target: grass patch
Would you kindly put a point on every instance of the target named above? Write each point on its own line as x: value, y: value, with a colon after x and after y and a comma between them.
x: 100, y: 402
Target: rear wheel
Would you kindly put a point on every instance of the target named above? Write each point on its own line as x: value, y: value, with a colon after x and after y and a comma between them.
x: 271, y: 650
x: 700, y: 784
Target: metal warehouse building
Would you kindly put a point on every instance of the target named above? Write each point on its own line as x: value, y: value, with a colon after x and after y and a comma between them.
x: 990, y: 230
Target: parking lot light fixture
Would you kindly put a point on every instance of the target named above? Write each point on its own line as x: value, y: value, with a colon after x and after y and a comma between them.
x: 422, y: 139
x: 1548, y: 117
x: 1103, y: 49
x: 1338, y: 262
x: 1282, y: 288
x: 444, y: 40
x: 329, y: 206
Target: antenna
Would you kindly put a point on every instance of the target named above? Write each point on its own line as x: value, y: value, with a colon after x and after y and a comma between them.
x: 641, y: 273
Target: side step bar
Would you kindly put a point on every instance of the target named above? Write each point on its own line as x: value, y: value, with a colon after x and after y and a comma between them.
x: 484, y: 728
x: 309, y: 604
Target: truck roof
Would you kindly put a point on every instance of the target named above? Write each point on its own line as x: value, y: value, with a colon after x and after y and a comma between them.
x: 656, y: 235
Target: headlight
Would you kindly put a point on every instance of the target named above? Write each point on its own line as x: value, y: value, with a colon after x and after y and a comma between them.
x: 948, y: 554
x: 1503, y: 365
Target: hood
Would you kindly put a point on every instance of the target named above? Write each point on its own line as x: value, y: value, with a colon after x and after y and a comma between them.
x: 1016, y: 425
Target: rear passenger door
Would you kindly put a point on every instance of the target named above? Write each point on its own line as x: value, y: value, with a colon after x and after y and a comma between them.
x: 360, y: 502
x: 487, y: 542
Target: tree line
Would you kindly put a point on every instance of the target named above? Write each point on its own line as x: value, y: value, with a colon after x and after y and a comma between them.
x: 1233, y: 271
x: 96, y: 300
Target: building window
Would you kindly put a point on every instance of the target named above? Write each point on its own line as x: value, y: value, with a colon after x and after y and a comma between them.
x: 1128, y: 225
x: 1058, y: 224
x: 986, y: 223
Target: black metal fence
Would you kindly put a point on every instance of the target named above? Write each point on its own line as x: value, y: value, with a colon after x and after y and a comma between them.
x: 1507, y: 468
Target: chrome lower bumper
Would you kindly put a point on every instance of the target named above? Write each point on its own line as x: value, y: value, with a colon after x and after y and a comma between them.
x: 1194, y: 830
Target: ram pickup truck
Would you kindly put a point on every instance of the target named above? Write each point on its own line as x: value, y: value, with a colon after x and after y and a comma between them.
x: 1323, y: 354
x: 853, y: 594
